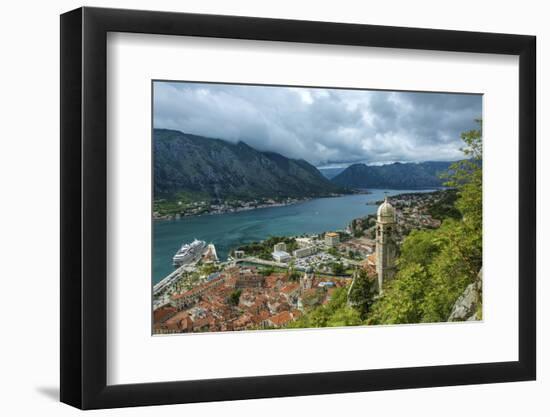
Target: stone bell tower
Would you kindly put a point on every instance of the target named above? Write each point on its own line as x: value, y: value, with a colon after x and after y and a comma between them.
x: 385, y: 243
x: 306, y: 280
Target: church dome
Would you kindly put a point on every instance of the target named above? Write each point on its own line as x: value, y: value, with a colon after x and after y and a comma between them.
x: 386, y: 212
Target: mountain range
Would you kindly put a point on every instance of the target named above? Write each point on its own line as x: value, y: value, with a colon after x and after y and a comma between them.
x: 397, y: 175
x: 221, y: 169
x: 330, y: 173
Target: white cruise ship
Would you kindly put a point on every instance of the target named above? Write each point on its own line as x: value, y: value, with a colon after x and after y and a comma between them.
x: 189, y: 252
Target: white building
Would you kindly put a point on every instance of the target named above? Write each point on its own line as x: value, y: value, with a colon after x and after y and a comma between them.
x: 281, y: 256
x: 279, y: 247
x: 303, y: 252
x: 332, y: 239
x: 304, y: 242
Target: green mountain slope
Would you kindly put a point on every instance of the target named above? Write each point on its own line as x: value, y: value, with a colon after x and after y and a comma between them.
x: 220, y: 169
x: 397, y: 175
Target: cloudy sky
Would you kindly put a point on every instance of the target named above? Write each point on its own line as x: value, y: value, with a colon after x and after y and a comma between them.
x: 326, y: 127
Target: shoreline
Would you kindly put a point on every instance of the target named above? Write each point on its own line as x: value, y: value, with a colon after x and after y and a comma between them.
x: 412, y: 192
x: 229, y: 211
x: 250, y: 208
x: 341, y: 226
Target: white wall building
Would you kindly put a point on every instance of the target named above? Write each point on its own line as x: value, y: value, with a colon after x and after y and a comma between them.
x: 332, y: 239
x: 281, y: 256
x: 279, y: 247
x: 303, y: 252
x: 304, y: 242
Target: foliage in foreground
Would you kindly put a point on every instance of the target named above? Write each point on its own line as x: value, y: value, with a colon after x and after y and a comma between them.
x: 336, y: 313
x: 435, y: 266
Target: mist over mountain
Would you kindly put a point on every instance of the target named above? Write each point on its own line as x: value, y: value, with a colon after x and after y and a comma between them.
x: 330, y: 173
x: 321, y: 125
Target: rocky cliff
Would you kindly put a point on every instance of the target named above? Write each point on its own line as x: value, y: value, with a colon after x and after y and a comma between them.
x: 468, y: 306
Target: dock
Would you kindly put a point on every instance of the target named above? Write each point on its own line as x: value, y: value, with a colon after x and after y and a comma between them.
x: 160, y: 286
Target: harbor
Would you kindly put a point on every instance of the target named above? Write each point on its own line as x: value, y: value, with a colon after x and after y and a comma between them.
x: 231, y: 230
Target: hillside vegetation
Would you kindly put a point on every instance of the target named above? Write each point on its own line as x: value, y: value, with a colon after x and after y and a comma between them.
x: 212, y: 168
x: 435, y: 266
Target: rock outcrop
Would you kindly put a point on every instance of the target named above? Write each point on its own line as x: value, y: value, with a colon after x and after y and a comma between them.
x: 468, y: 306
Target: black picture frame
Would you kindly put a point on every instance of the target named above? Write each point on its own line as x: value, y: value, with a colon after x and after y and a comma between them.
x: 84, y: 207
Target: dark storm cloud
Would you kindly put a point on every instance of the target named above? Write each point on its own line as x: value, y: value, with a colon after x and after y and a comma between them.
x: 322, y: 126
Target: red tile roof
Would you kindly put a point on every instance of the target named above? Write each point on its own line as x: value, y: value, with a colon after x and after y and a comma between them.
x: 198, y: 288
x: 180, y: 321
x: 162, y: 313
x: 371, y: 259
x: 296, y: 314
x: 290, y: 288
x: 281, y: 319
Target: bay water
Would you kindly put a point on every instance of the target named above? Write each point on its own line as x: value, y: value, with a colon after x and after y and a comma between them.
x: 230, y: 230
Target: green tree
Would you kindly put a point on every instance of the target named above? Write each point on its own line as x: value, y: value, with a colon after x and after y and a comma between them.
x: 467, y: 176
x: 338, y: 268
x: 335, y: 313
x: 234, y: 297
x: 419, y: 247
x: 266, y: 271
x: 208, y: 269
x: 435, y: 266
x: 362, y: 292
x: 344, y: 316
x: 456, y: 266
x: 402, y: 298
x: 294, y: 275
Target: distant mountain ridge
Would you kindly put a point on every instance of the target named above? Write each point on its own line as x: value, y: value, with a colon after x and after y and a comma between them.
x: 221, y: 169
x: 330, y: 173
x: 397, y: 175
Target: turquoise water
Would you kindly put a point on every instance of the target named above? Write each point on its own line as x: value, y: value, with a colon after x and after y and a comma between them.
x: 228, y: 231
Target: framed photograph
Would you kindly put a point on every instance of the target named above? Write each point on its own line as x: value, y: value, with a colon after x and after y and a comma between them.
x: 256, y: 208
